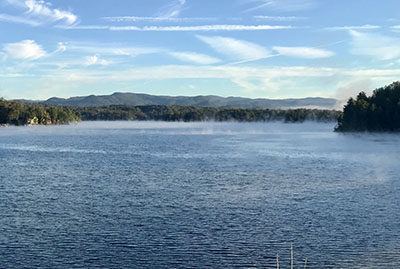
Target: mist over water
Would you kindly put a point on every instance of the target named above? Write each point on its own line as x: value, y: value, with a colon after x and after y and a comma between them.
x: 181, y: 195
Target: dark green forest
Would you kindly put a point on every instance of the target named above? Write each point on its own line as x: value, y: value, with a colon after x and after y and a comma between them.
x: 194, y: 113
x: 379, y: 112
x: 16, y: 113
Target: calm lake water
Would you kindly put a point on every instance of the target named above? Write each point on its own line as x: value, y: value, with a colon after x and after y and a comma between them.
x: 195, y: 195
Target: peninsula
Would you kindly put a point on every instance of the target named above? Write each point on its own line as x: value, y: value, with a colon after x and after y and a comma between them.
x: 379, y: 112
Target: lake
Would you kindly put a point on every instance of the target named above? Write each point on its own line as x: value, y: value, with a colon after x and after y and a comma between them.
x: 195, y: 195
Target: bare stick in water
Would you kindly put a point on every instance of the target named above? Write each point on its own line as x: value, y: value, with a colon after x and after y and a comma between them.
x: 305, y: 264
x: 277, y: 261
x: 291, y: 256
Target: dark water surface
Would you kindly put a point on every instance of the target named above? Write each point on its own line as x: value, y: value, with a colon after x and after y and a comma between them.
x: 180, y: 195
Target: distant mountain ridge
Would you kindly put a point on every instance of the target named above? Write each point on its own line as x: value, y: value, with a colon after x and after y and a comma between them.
x: 137, y: 99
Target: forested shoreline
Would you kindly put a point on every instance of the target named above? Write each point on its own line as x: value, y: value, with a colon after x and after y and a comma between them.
x: 379, y: 112
x: 16, y: 113
x: 193, y: 113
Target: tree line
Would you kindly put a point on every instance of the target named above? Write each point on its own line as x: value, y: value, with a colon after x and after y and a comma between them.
x: 194, y: 113
x: 379, y: 112
x: 16, y: 113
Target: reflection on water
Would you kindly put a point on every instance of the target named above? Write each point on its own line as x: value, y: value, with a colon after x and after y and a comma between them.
x: 172, y: 195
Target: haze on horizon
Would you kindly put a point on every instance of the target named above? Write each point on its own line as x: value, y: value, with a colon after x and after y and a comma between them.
x: 249, y: 48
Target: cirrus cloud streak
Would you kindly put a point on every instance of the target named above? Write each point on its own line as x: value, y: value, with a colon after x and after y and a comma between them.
x: 220, y: 27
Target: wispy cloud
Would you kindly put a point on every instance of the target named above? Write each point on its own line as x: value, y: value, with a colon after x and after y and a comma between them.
x: 18, y: 19
x: 375, y: 45
x: 278, y: 18
x: 223, y: 27
x: 156, y: 19
x: 395, y: 27
x: 236, y: 49
x: 40, y: 12
x: 280, y: 5
x: 373, y: 73
x: 168, y: 13
x: 42, y: 9
x: 24, y: 50
x: 61, y: 47
x: 304, y: 52
x: 245, y: 51
x: 255, y: 81
x: 172, y: 10
x: 118, y: 50
x: 193, y: 71
x: 112, y: 49
x: 351, y: 88
x: 83, y: 27
x: 359, y: 27
x: 11, y: 75
x: 95, y: 60
x: 194, y: 57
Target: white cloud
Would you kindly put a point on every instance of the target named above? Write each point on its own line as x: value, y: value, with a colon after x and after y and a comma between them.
x: 279, y: 18
x: 194, y: 57
x: 172, y: 10
x: 373, y: 73
x: 116, y: 50
x: 11, y: 75
x: 206, y: 71
x: 95, y: 60
x: 41, y: 9
x: 177, y: 28
x: 395, y: 28
x: 61, y: 47
x: 18, y: 19
x: 236, y: 49
x: 304, y: 52
x: 40, y: 12
x: 252, y: 80
x: 281, y: 5
x: 155, y: 19
x: 222, y: 27
x: 24, y: 50
x: 375, y: 45
x: 351, y: 88
x: 360, y: 27
x: 260, y: 85
x: 112, y: 49
x: 246, y: 51
x: 257, y: 81
x: 347, y: 89
x: 83, y: 27
x: 168, y: 13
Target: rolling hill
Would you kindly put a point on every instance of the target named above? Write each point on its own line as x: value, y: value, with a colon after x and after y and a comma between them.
x: 136, y: 99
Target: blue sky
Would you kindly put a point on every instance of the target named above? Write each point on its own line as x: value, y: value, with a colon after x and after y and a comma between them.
x: 250, y: 48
